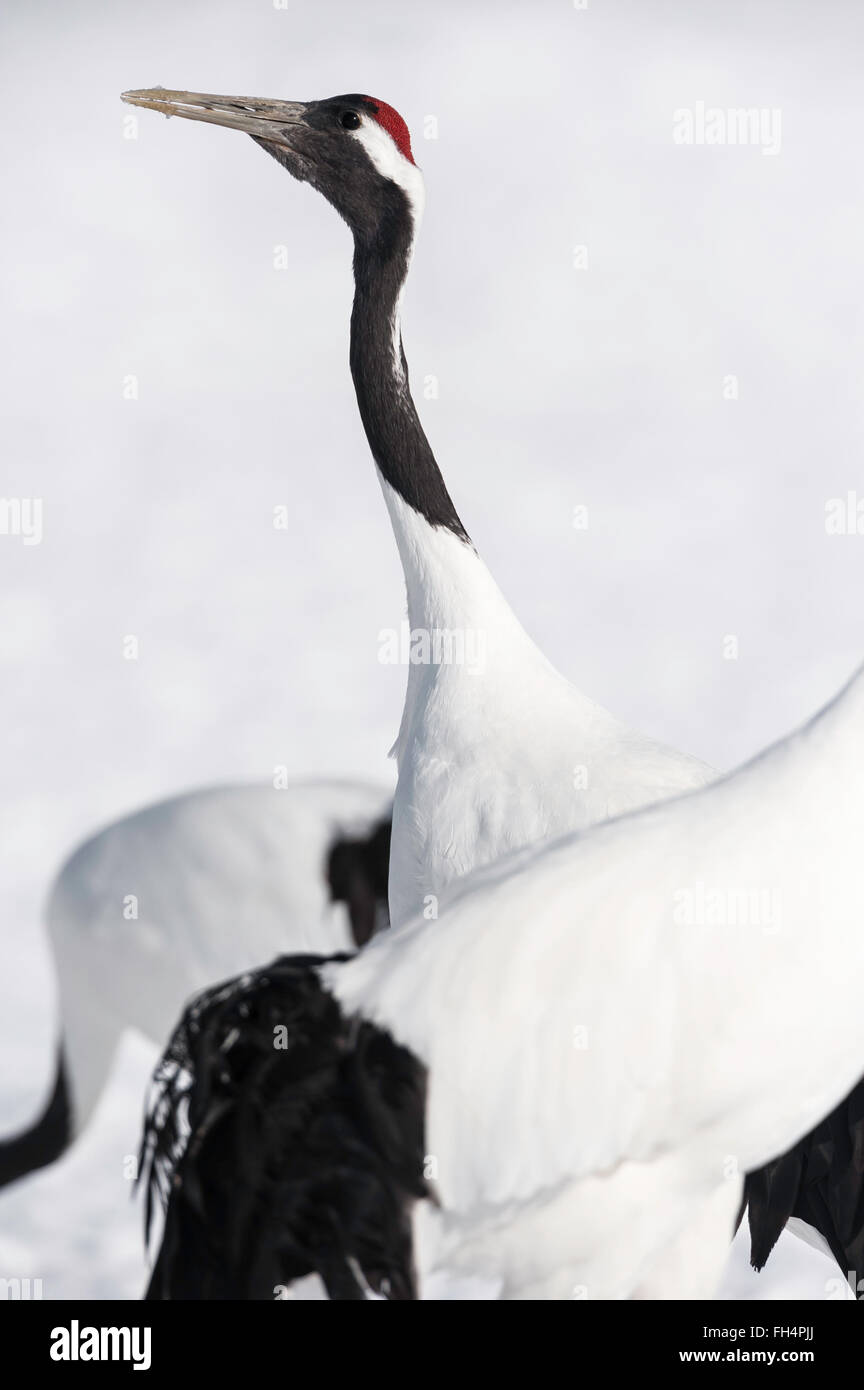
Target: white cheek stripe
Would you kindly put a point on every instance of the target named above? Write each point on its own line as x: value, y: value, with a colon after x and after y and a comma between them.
x: 391, y: 162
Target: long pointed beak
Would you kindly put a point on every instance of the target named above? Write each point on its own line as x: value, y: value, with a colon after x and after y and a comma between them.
x: 269, y: 120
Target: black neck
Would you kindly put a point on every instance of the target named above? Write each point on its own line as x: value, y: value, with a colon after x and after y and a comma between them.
x: 399, y: 446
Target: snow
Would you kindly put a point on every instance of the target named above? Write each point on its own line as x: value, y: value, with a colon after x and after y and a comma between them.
x: 156, y: 258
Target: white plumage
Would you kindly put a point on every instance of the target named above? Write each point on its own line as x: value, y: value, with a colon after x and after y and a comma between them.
x: 187, y: 891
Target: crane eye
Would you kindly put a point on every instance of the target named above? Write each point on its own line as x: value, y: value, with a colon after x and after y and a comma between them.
x: 349, y: 119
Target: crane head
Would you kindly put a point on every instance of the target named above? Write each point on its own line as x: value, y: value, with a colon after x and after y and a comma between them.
x: 354, y: 149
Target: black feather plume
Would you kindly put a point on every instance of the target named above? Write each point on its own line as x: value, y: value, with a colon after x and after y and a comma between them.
x: 282, y: 1139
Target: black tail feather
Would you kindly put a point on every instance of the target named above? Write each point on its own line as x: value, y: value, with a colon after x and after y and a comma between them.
x: 44, y: 1141
x: 283, y: 1139
x: 357, y: 874
x: 821, y: 1181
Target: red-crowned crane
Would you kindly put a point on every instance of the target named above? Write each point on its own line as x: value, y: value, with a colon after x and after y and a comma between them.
x: 155, y: 906
x: 487, y: 750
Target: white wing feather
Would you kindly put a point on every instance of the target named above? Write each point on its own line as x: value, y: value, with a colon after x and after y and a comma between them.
x: 596, y: 1024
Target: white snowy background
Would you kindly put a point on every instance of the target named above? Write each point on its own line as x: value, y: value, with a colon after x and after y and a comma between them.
x: 557, y: 387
